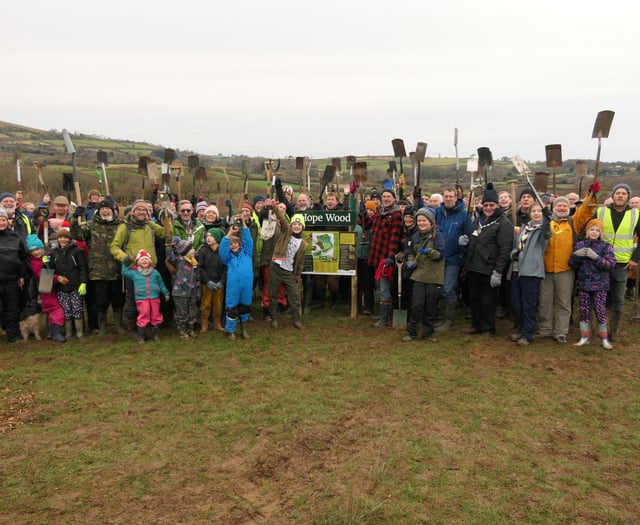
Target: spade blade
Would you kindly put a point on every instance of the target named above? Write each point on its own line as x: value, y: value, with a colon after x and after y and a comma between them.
x: 603, y: 124
x: 554, y: 155
x: 398, y: 148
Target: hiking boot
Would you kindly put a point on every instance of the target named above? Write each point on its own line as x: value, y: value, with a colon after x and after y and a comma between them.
x: 515, y: 337
x: 522, y: 342
x: 408, y: 338
x: 561, y: 339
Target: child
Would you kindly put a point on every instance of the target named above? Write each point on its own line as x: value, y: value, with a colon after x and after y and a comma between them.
x: 186, y: 288
x: 527, y: 271
x: 213, y: 275
x: 50, y: 304
x: 425, y: 258
x: 594, y: 259
x: 236, y: 253
x: 286, y: 266
x: 148, y: 286
x: 69, y: 261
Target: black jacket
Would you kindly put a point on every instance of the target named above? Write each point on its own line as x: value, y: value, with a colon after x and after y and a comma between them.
x: 14, y: 260
x: 490, y: 243
x: 71, y: 263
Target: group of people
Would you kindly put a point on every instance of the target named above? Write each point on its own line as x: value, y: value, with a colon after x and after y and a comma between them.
x: 183, y: 262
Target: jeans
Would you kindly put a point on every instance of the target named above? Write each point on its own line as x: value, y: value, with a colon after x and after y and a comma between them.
x: 451, y: 272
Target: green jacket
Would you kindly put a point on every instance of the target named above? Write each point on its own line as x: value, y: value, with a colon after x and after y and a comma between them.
x: 132, y: 236
x: 98, y: 234
x: 197, y: 233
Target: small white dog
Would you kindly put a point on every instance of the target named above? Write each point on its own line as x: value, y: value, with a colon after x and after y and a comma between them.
x: 30, y: 325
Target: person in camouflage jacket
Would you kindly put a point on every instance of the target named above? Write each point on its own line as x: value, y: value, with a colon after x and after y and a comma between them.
x: 105, y: 279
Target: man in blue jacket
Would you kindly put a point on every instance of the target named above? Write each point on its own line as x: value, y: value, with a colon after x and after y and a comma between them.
x: 453, y: 220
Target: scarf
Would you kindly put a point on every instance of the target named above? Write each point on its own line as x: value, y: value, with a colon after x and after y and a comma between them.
x: 526, y: 233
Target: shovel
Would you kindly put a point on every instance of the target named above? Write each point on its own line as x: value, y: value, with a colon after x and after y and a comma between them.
x: 399, y: 315
x: 554, y: 160
x: 327, y: 177
x: 601, y: 130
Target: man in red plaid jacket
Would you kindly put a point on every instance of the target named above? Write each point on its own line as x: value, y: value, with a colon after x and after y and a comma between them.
x: 386, y: 226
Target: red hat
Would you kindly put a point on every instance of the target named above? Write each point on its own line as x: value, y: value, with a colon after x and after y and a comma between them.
x: 246, y: 205
x: 142, y: 254
x: 64, y: 230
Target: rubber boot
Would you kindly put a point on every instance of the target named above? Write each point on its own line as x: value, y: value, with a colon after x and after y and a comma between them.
x: 243, y: 330
x: 102, y: 324
x: 56, y: 333
x: 68, y: 328
x: 306, y: 301
x: 296, y: 318
x: 191, y: 330
x: 615, y: 326
x: 585, y: 334
x: 140, y: 335
x: 79, y: 324
x: 117, y: 321
x: 204, y: 325
x: 182, y: 331
x: 155, y: 332
x: 217, y: 325
x: 274, y: 316
x: 604, y: 340
x: 384, y: 313
x: 449, y: 317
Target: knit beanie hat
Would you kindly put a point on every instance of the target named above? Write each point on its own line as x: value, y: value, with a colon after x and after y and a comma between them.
x: 34, y: 242
x: 6, y: 194
x: 216, y: 233
x: 408, y: 210
x: 142, y: 254
x: 389, y: 190
x: 183, y: 247
x: 621, y: 185
x: 202, y: 205
x: 490, y: 194
x: 257, y: 199
x: 3, y: 213
x: 138, y: 203
x: 298, y: 217
x: 426, y: 212
x: 247, y: 205
x: 106, y: 203
x: 527, y: 191
x: 597, y: 223
x: 562, y: 198
x: 213, y: 208
x: 370, y: 205
x: 64, y: 230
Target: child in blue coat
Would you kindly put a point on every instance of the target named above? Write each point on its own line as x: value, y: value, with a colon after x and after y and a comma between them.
x: 237, y: 255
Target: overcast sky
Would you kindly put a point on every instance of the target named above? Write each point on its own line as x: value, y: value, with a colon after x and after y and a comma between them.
x: 328, y: 78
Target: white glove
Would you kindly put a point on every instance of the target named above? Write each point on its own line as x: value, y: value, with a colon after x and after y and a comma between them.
x: 463, y: 240
x: 496, y: 279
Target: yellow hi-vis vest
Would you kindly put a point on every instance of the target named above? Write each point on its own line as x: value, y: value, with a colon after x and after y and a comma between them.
x: 622, y: 238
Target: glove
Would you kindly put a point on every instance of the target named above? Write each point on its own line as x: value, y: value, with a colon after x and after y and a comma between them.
x: 546, y: 212
x: 399, y: 257
x: 155, y: 188
x: 594, y: 187
x: 411, y: 265
x: 82, y: 289
x: 389, y: 261
x: 591, y: 254
x: 278, y: 183
x: 417, y: 193
x: 515, y: 255
x: 354, y: 187
x: 424, y: 251
x: 45, y: 259
x: 128, y: 260
x: 463, y: 240
x: 217, y: 285
x: 580, y: 252
x: 80, y: 211
x: 496, y: 279
x: 211, y: 285
x: 164, y: 213
x: 228, y: 203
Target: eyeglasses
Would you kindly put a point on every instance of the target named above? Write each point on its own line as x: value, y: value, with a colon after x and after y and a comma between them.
x: 186, y: 211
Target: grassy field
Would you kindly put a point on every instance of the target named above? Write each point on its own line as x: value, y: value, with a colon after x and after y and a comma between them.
x: 338, y: 423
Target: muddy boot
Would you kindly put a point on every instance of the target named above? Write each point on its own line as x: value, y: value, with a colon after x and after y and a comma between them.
x: 604, y: 341
x: 274, y: 316
x: 140, y: 335
x: 296, y: 318
x: 243, y: 330
x: 79, y: 324
x: 102, y: 324
x: 204, y: 325
x: 182, y: 331
x: 231, y: 336
x: 68, y: 328
x: 615, y: 325
x: 217, y: 325
x: 384, y: 314
x: 56, y: 333
x: 449, y: 317
x: 117, y: 321
x: 191, y: 330
x: 155, y: 333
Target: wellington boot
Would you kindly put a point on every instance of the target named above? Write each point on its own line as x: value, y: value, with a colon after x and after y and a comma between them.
x: 296, y: 318
x: 56, y: 333
x: 68, y: 328
x: 615, y: 326
x: 102, y: 324
x: 449, y: 318
x: 140, y: 335
x: 204, y: 325
x: 583, y: 341
x: 79, y: 324
x: 384, y: 313
x: 155, y: 333
x: 243, y: 330
x: 191, y: 330
x: 117, y: 321
x: 217, y: 325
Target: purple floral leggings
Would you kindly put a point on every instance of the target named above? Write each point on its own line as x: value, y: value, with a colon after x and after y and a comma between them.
x: 597, y: 300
